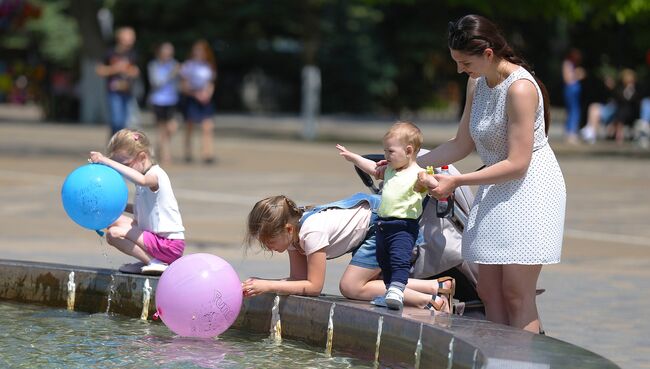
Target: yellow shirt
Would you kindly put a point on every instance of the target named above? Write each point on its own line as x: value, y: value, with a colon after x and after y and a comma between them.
x: 398, y: 199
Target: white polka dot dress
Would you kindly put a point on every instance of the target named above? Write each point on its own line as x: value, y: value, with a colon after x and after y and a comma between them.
x: 520, y: 221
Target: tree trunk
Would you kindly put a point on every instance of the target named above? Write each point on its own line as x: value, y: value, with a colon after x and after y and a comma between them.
x: 311, y: 77
x: 92, y: 91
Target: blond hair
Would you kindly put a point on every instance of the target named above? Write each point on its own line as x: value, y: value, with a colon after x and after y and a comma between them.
x: 628, y: 76
x: 268, y: 218
x: 130, y: 142
x: 407, y: 133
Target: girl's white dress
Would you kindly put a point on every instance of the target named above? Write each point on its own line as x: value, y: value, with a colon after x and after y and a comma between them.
x: 519, y: 221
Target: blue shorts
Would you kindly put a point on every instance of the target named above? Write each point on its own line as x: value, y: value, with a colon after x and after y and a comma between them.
x: 645, y: 109
x: 195, y: 111
x: 365, y: 256
x: 607, y: 112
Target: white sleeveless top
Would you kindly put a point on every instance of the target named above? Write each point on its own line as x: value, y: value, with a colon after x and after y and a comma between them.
x: 520, y: 221
x: 158, y: 212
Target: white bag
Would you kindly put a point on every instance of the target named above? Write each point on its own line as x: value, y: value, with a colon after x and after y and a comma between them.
x: 440, y: 248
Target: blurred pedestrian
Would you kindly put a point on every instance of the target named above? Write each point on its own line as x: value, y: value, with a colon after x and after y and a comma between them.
x: 163, y: 79
x: 628, y: 104
x: 600, y: 113
x: 198, y: 75
x: 642, y: 127
x: 572, y: 74
x: 120, y: 70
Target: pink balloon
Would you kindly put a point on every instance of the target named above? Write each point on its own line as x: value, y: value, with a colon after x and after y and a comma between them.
x: 199, y: 295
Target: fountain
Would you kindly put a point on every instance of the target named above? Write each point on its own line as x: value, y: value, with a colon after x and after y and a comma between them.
x: 411, y: 338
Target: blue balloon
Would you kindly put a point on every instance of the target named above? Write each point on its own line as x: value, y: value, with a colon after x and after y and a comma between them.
x: 94, y: 196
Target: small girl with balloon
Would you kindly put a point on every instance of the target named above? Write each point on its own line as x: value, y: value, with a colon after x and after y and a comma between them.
x: 155, y: 235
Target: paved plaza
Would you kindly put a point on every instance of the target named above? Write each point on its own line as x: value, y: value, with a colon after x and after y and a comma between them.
x: 596, y: 298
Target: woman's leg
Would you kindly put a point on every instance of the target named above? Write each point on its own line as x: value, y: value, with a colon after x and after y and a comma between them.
x: 207, y: 144
x: 360, y: 283
x: 590, y: 131
x: 644, y: 113
x: 490, y: 279
x: 117, y: 104
x: 127, y: 237
x: 166, y: 130
x: 572, y: 101
x: 189, y: 128
x: 619, y: 127
x: 519, y: 284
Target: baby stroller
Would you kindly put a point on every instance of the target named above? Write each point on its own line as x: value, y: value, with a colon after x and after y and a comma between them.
x: 438, y: 249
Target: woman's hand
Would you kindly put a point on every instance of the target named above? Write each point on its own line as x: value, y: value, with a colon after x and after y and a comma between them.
x: 254, y: 286
x: 96, y: 157
x: 446, y: 186
x: 203, y: 96
x: 425, y: 182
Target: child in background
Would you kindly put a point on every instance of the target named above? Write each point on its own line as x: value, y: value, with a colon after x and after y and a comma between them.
x: 198, y: 76
x: 155, y: 235
x: 163, y: 78
x: 401, y: 206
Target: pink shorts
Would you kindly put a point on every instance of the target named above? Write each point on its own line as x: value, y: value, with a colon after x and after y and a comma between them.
x: 163, y: 249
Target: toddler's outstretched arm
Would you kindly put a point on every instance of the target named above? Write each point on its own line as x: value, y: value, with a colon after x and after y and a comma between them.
x: 367, y: 165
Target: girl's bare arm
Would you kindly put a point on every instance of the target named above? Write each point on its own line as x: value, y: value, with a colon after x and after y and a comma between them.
x: 307, y: 277
x: 149, y: 179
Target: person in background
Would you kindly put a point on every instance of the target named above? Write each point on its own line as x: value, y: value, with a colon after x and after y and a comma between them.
x: 642, y: 128
x: 572, y: 74
x: 600, y: 113
x: 198, y: 76
x: 628, y: 103
x: 163, y: 79
x: 120, y: 70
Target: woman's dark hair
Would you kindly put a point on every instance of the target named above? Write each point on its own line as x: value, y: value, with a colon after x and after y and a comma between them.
x: 472, y: 34
x: 574, y: 56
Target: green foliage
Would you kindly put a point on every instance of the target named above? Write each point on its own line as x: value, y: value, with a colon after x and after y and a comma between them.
x: 380, y: 55
x: 596, y: 11
x: 57, y: 34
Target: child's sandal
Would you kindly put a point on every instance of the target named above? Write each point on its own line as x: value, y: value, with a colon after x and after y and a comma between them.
x: 443, y: 305
x: 447, y: 292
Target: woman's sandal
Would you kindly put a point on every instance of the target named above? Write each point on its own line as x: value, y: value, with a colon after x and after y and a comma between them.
x: 443, y: 305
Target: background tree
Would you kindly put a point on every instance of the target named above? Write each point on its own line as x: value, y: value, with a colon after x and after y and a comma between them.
x: 375, y: 56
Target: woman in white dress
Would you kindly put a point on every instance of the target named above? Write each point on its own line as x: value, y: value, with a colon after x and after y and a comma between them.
x: 517, y: 220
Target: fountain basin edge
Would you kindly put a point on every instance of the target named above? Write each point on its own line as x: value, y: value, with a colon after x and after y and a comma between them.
x: 409, y: 338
